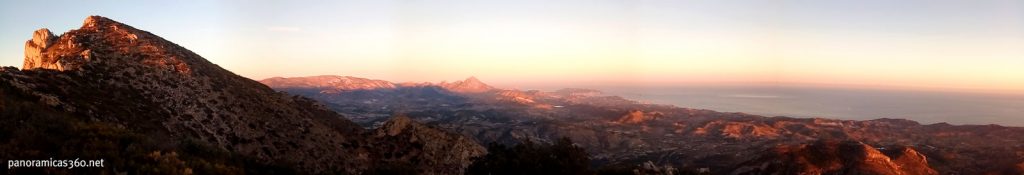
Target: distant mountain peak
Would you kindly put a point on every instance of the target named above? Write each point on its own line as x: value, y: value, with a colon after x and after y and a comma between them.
x: 469, y: 85
x: 472, y: 79
x: 94, y: 21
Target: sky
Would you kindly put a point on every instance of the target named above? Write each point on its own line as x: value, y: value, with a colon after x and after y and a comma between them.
x: 912, y: 44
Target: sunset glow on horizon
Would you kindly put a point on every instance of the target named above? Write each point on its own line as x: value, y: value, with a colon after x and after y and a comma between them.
x: 947, y: 45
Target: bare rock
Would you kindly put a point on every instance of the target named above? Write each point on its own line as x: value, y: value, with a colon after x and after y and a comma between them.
x: 437, y: 150
x: 34, y: 50
x: 835, y: 157
x: 635, y: 116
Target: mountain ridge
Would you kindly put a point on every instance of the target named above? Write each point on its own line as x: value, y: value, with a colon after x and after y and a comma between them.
x: 131, y: 80
x: 350, y: 83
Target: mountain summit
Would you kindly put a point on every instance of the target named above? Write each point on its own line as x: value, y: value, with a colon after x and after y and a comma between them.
x: 470, y: 85
x: 115, y: 42
x: 166, y: 100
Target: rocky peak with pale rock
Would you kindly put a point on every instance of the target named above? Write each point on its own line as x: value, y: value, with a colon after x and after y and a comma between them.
x: 41, y: 39
x: 117, y: 43
x: 470, y: 85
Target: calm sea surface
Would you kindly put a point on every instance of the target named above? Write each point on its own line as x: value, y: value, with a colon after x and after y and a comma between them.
x: 924, y: 107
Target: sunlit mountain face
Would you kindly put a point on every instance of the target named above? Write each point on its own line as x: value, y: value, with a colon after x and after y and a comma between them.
x: 516, y: 87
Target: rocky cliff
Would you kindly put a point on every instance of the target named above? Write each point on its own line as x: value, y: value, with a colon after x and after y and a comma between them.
x: 34, y: 58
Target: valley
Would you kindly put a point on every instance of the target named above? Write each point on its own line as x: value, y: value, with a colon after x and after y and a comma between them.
x: 622, y: 131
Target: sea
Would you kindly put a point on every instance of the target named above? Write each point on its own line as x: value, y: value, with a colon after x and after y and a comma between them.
x: 926, y: 107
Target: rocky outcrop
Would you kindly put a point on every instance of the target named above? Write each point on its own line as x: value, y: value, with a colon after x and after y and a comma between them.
x: 835, y: 157
x: 635, y: 116
x: 99, y: 35
x: 438, y: 151
x: 910, y: 160
x: 34, y: 55
x: 736, y: 130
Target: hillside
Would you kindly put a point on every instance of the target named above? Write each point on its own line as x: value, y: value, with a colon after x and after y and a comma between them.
x: 146, y: 104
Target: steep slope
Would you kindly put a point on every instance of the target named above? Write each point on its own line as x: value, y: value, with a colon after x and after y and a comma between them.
x: 116, y: 75
x: 113, y: 72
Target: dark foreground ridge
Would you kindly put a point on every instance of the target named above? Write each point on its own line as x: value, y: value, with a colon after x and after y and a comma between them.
x: 148, y: 106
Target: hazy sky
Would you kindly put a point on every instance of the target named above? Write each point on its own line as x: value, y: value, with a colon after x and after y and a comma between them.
x: 957, y: 44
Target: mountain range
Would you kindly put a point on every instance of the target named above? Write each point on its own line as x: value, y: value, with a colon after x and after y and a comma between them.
x: 620, y: 132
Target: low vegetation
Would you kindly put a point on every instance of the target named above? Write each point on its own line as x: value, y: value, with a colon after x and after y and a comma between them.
x: 562, y: 157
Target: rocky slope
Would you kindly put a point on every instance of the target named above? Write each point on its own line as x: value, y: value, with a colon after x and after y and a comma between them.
x: 411, y: 141
x: 620, y: 131
x: 835, y: 157
x: 132, y: 81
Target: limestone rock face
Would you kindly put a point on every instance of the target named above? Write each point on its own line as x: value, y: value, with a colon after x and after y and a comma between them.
x: 67, y: 52
x: 34, y: 48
